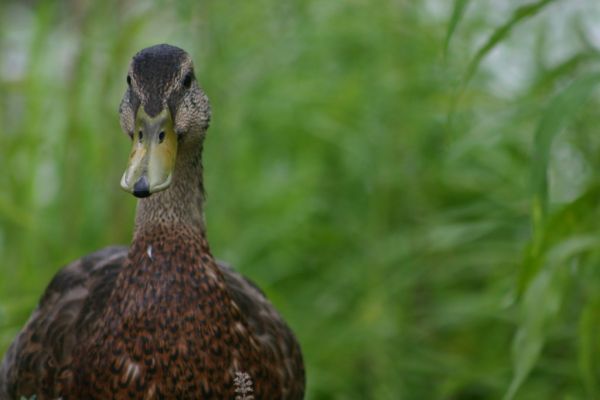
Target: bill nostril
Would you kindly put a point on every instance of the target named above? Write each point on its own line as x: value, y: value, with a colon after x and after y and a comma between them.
x: 141, y: 188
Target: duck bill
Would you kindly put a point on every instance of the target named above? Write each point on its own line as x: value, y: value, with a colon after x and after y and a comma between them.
x: 152, y: 157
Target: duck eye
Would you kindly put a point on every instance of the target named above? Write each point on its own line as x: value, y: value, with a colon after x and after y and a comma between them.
x: 141, y: 136
x: 187, y: 80
x: 161, y: 136
x: 128, y: 80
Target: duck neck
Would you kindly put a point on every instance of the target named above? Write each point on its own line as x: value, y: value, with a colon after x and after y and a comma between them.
x: 181, y: 205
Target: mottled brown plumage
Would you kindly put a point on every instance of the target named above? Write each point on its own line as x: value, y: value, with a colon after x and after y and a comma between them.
x: 160, y: 319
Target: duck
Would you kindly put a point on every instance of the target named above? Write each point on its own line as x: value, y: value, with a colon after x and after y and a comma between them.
x: 160, y: 318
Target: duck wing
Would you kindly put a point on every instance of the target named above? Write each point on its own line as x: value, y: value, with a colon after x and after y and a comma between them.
x: 30, y: 365
x: 269, y: 328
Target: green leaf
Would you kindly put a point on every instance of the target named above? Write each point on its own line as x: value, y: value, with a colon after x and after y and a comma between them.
x: 540, y: 305
x: 519, y: 15
x: 588, y: 353
x: 558, y: 113
x: 458, y: 11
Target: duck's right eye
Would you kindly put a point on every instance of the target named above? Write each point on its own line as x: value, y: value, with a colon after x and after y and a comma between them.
x: 187, y: 80
x: 128, y: 80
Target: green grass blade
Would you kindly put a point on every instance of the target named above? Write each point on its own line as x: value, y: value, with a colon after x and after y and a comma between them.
x: 519, y: 15
x: 458, y: 11
x: 558, y: 113
x: 561, y: 109
x: 588, y: 347
x: 540, y: 307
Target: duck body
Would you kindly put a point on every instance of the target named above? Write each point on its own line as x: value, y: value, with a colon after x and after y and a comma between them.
x: 139, y: 324
x: 161, y: 319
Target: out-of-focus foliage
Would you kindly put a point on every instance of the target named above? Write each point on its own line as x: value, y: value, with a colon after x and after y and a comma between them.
x: 415, y: 184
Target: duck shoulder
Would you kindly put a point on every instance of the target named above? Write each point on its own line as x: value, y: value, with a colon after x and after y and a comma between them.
x: 46, y: 341
x: 268, y: 327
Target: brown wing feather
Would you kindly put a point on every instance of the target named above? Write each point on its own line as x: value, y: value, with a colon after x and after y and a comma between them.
x: 52, y: 330
x: 268, y: 327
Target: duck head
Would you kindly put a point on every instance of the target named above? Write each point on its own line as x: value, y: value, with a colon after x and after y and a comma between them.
x: 163, y: 109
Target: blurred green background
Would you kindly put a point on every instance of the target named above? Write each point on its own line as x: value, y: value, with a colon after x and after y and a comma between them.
x: 415, y: 184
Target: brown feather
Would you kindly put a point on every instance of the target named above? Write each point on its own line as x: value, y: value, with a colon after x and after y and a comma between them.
x: 160, y: 330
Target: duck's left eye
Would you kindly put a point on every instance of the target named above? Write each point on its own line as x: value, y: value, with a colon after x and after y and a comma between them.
x: 129, y: 80
x: 187, y: 80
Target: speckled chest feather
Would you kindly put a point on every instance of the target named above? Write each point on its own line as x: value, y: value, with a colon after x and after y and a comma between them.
x: 170, y: 329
